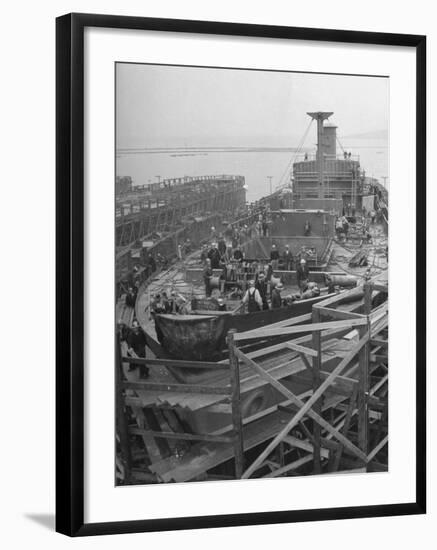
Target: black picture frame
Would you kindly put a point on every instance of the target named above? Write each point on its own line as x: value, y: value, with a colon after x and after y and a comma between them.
x: 70, y: 272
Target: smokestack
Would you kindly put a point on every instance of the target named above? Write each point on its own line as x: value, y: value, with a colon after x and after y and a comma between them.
x: 330, y: 140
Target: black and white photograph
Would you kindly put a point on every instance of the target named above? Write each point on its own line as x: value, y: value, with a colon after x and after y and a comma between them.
x: 251, y: 272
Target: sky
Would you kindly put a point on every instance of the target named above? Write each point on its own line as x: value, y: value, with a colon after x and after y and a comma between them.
x: 174, y: 106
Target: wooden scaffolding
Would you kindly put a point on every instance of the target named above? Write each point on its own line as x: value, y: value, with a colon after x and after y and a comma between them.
x: 330, y: 380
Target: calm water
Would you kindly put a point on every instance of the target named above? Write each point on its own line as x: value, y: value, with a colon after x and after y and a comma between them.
x: 254, y: 166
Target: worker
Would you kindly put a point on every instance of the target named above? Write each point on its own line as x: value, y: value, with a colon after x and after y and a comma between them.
x: 213, y: 233
x: 181, y: 305
x: 345, y: 226
x: 137, y: 344
x: 156, y: 305
x: 123, y: 330
x: 214, y: 256
x: 307, y: 228
x: 131, y: 297
x: 252, y: 298
x: 265, y: 227
x: 204, y: 254
x: 262, y: 288
x: 269, y: 271
x: 274, y: 257
x: 238, y: 254
x: 276, y: 296
x: 207, y: 274
x: 302, y: 275
x: 287, y: 257
x: 338, y: 227
x: 166, y: 303
x: 221, y: 245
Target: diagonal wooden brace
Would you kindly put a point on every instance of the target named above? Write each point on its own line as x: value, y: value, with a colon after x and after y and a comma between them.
x: 305, y: 408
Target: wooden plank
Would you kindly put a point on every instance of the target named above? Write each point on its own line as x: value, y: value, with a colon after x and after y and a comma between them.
x: 317, y: 361
x: 342, y: 385
x: 263, y: 333
x: 346, y: 426
x: 363, y: 392
x: 180, y: 388
x: 337, y: 313
x: 180, y: 435
x: 304, y: 445
x: 236, y: 407
x: 176, y: 363
x: 376, y: 450
x: 304, y: 409
x: 301, y: 349
x: 206, y: 455
x: 289, y: 467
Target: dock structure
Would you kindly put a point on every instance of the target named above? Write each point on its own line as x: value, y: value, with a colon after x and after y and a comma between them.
x: 159, y: 207
x: 314, y: 403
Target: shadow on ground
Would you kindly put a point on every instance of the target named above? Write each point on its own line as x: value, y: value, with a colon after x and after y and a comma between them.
x: 46, y: 520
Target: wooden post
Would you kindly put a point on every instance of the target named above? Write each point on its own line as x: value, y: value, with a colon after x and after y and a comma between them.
x: 317, y: 360
x: 367, y: 298
x: 236, y: 406
x: 363, y: 380
x: 363, y: 392
x: 122, y: 427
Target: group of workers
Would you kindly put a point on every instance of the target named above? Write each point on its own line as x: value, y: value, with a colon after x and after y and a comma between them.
x: 256, y: 295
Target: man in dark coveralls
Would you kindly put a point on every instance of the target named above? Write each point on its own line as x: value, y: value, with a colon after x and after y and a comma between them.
x: 302, y: 275
x: 261, y: 286
x: 137, y: 343
x: 207, y: 274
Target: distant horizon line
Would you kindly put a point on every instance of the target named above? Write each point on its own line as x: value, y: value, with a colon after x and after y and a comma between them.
x: 224, y: 148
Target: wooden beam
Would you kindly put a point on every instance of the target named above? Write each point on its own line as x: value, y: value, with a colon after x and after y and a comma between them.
x: 337, y: 313
x: 177, y: 363
x: 363, y: 391
x: 346, y: 426
x: 317, y: 406
x: 301, y: 349
x: 304, y: 445
x: 292, y: 466
x: 182, y: 436
x: 303, y: 410
x: 182, y: 388
x: 236, y: 407
x: 376, y: 450
x: 263, y: 333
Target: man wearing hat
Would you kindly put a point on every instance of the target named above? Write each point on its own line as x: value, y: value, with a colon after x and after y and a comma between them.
x: 137, y: 344
x: 252, y: 298
x: 302, y: 275
x: 214, y: 256
x: 287, y: 257
x: 276, y: 296
x: 207, y: 274
x: 261, y: 286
